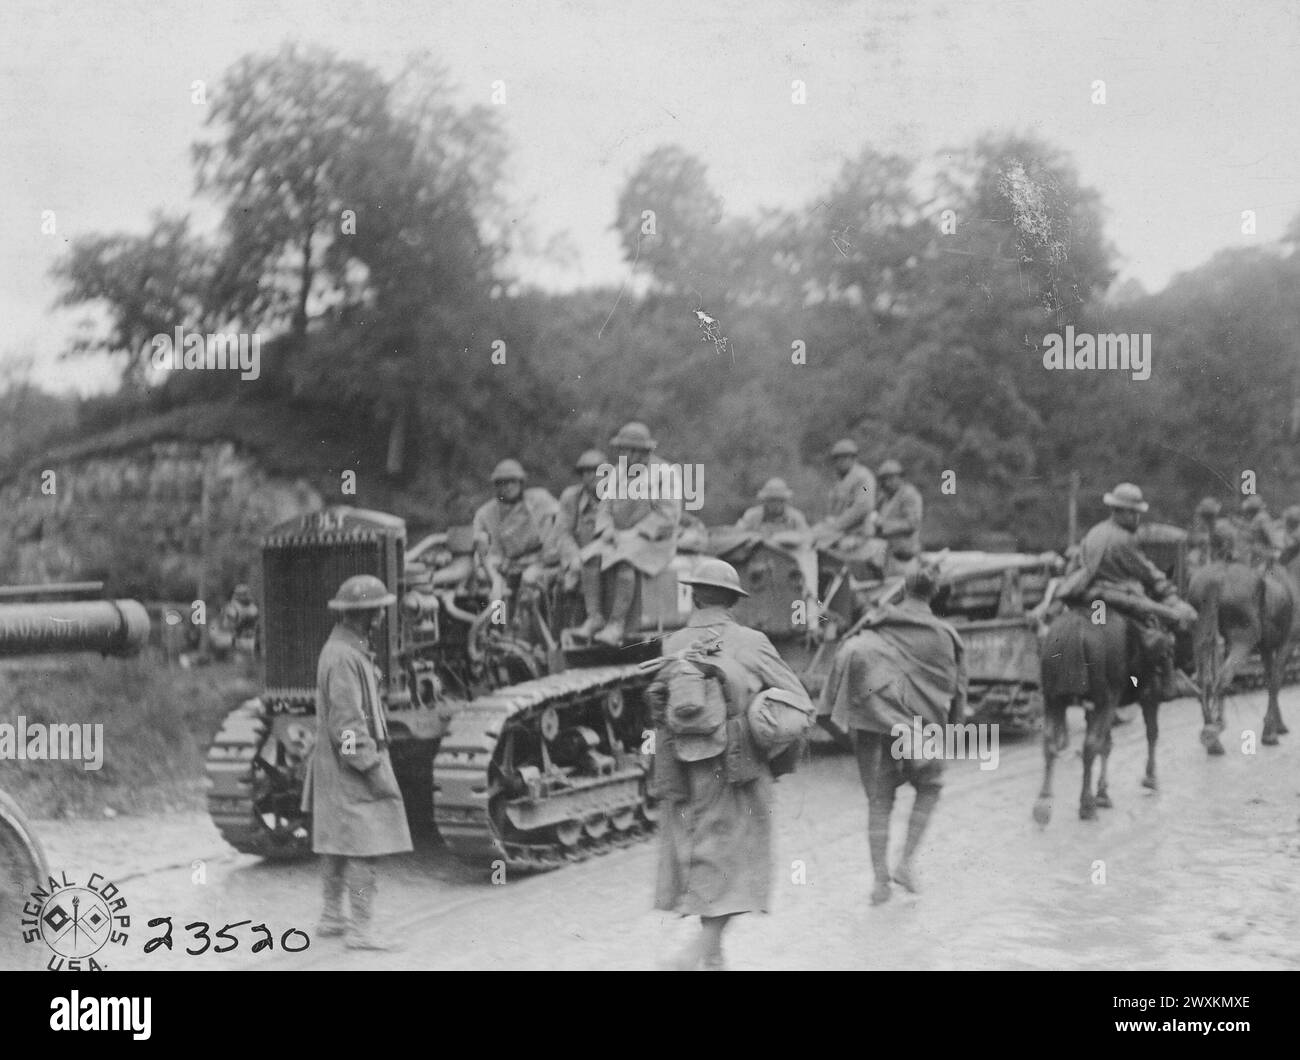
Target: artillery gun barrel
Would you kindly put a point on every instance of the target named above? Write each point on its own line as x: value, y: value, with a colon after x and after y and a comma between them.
x: 111, y: 627
x: 40, y: 592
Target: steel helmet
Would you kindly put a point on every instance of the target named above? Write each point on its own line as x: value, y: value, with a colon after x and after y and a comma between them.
x: 1125, y: 495
x: 1208, y: 506
x: 845, y: 447
x: 361, y: 592
x: 717, y: 573
x: 1253, y: 503
x: 633, y: 435
x: 775, y: 489
x: 590, y: 460
x: 889, y: 467
x: 508, y: 470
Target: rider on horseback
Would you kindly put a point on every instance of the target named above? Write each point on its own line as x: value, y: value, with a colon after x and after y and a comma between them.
x: 1111, y: 568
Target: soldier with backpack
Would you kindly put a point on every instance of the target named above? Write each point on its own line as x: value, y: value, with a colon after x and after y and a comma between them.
x: 712, y: 772
x: 907, y: 664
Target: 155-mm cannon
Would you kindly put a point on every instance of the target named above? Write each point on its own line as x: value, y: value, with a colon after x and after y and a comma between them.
x: 42, y: 620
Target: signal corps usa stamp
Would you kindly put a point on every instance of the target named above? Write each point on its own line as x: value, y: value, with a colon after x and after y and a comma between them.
x: 76, y: 922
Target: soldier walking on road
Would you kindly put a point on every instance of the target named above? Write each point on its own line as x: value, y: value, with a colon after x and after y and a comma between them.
x: 907, y: 664
x: 715, y: 853
x: 351, y: 790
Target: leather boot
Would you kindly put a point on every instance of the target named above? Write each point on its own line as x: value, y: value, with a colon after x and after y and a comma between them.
x: 589, y: 577
x: 332, y: 921
x: 624, y: 591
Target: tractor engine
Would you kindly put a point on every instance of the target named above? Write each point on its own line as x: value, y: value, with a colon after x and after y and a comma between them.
x: 258, y: 760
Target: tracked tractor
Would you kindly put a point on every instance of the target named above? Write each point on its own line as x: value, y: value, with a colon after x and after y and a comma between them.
x: 524, y: 751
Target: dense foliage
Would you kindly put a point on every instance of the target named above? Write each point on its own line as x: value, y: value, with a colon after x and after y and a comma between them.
x: 906, y: 311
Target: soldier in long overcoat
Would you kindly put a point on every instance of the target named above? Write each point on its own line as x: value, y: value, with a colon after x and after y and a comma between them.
x: 351, y: 790
x: 905, y: 665
x: 715, y: 854
x: 637, y: 532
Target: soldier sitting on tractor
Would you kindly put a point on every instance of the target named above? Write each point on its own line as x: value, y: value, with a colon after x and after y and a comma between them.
x: 773, y: 514
x: 850, y: 519
x: 1259, y: 541
x: 637, y: 534
x: 511, y: 531
x: 898, y: 519
x: 573, y: 545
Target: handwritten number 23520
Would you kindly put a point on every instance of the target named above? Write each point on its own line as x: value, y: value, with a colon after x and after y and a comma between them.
x: 200, y: 931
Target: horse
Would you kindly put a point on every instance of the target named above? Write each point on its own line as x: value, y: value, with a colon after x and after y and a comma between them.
x: 1083, y: 659
x: 1250, y: 609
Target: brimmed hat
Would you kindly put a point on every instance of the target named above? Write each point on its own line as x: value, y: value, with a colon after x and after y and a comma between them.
x: 845, y: 447
x: 717, y: 573
x: 508, y: 470
x: 889, y: 467
x: 592, y: 458
x: 775, y: 489
x: 1208, y: 506
x: 361, y: 592
x: 633, y: 435
x: 1125, y: 495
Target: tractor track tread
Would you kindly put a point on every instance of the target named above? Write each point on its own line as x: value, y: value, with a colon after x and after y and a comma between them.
x: 469, y: 747
x: 229, y: 768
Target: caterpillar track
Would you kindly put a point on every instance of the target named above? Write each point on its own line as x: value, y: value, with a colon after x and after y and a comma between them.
x: 253, y: 799
x: 548, y: 771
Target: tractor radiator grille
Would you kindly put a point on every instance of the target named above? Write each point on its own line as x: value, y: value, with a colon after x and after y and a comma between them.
x: 299, y: 578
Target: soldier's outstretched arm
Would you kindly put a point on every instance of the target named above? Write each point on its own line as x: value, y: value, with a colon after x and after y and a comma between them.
x: 348, y: 731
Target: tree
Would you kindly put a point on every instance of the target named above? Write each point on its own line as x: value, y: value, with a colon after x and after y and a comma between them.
x: 298, y: 133
x: 147, y: 285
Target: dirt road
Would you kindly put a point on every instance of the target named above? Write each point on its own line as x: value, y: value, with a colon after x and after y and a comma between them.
x: 1201, y: 874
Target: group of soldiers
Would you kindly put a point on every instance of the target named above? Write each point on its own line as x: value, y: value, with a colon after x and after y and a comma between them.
x: 904, y: 665
x: 529, y: 541
x: 1251, y: 535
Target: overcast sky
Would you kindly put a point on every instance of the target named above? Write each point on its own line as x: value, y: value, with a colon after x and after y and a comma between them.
x: 1201, y: 119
